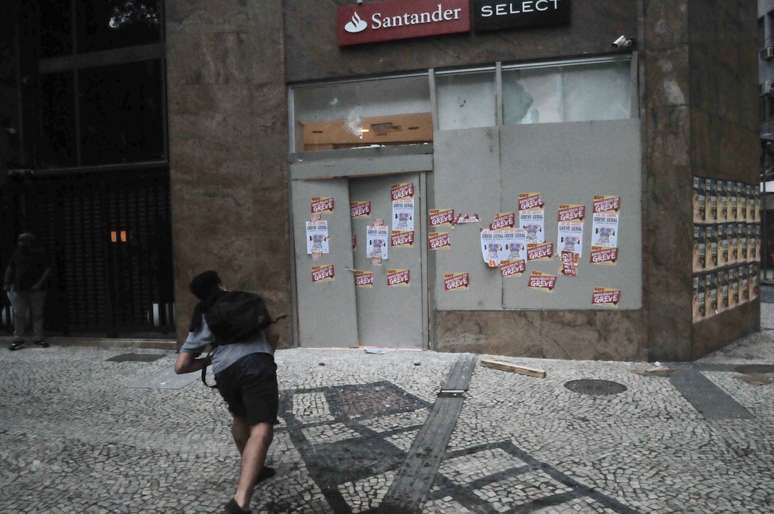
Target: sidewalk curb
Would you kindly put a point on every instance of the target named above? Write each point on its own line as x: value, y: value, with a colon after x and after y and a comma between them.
x: 107, y: 343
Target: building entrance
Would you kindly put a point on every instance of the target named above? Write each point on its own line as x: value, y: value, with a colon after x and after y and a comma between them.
x: 366, y: 286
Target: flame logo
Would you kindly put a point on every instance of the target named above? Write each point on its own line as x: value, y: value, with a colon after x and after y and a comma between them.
x: 356, y: 25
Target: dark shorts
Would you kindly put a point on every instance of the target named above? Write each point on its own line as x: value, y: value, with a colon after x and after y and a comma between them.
x: 249, y: 387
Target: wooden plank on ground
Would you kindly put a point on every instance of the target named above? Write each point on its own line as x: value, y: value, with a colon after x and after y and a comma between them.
x: 513, y: 368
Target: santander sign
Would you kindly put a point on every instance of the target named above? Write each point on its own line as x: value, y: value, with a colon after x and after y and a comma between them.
x: 401, y: 19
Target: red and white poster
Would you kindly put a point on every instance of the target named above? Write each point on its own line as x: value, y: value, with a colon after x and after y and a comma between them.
x: 604, y: 230
x: 360, y: 209
x: 569, y: 266
x: 540, y: 251
x: 398, y: 277
x: 606, y: 296
x: 512, y: 269
x: 503, y: 220
x: 438, y: 241
x: 455, y: 282
x: 440, y: 217
x: 324, y: 273
x: 399, y: 239
x: 542, y: 281
x: 570, y: 229
x: 466, y: 218
x: 322, y: 204
x: 401, y: 191
x: 364, y: 279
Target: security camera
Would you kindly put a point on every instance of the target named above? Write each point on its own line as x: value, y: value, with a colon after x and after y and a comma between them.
x: 623, y: 42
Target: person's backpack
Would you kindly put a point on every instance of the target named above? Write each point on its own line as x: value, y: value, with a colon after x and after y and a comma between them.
x: 237, y: 317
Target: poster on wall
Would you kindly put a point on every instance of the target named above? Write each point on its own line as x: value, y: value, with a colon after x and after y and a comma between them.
x: 455, y: 282
x: 699, y: 201
x: 401, y: 191
x: 532, y: 216
x: 503, y: 220
x: 400, y: 239
x: 364, y: 279
x: 502, y: 245
x: 542, y: 281
x: 317, y: 238
x: 398, y: 277
x: 606, y: 296
x: 324, y: 273
x: 604, y: 229
x: 403, y: 214
x: 467, y: 218
x: 378, y: 242
x: 491, y: 247
x: 569, y: 264
x: 360, y: 209
x: 438, y: 241
x: 322, y: 204
x: 441, y: 217
x: 513, y: 269
x: 570, y: 229
x: 540, y: 251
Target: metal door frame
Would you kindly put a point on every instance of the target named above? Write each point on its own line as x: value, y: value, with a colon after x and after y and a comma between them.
x: 367, y: 163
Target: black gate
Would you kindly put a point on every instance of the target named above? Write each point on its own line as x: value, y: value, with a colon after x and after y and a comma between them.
x: 109, y: 236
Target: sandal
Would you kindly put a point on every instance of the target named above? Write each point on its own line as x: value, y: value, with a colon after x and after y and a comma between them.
x: 42, y: 344
x: 16, y: 345
x: 232, y: 507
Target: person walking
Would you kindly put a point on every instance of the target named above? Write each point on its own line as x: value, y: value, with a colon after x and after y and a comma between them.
x: 245, y: 376
x: 25, y: 281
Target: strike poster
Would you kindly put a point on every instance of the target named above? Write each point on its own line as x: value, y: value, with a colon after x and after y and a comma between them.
x: 438, y: 241
x: 511, y: 269
x: 570, y: 233
x: 360, y: 209
x: 402, y: 239
x: 322, y: 204
x: 324, y: 273
x: 542, y: 281
x: 455, y: 282
x: 604, y: 231
x: 398, y: 277
x: 532, y: 216
x: 439, y: 217
x: 606, y: 296
x: 364, y: 279
x: 378, y: 242
x: 502, y: 245
x: 317, y: 238
x: 403, y: 215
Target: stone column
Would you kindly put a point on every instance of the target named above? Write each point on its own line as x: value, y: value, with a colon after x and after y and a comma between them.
x: 228, y: 148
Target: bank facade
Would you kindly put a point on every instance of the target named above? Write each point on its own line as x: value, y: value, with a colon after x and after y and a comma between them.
x: 480, y: 176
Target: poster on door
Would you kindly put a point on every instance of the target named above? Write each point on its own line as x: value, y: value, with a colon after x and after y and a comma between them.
x: 570, y: 229
x: 317, y: 238
x: 364, y: 279
x: 440, y: 217
x: 438, y: 241
x: 503, y: 220
x: 359, y: 209
x: 403, y: 214
x: 542, y: 281
x: 569, y: 264
x: 453, y: 282
x: 400, y: 239
x: 503, y: 245
x: 513, y: 269
x: 531, y: 209
x: 398, y: 277
x: 401, y: 191
x: 324, y: 273
x: 378, y: 242
x: 604, y: 229
x: 322, y: 204
x: 606, y: 296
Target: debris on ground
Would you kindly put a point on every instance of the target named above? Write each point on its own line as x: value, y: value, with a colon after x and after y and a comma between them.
x: 513, y: 368
x: 757, y: 379
x: 657, y: 371
x: 374, y: 350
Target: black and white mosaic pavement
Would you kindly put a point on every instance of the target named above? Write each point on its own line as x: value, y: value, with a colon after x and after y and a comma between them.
x: 80, y: 434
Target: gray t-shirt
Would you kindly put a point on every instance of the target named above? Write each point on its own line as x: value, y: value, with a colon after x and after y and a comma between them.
x: 227, y: 354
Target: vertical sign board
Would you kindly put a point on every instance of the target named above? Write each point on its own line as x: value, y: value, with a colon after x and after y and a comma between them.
x: 513, y: 14
x: 401, y: 19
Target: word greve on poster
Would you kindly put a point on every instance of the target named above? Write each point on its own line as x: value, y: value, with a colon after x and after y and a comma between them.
x: 400, y: 239
x: 512, y: 269
x: 606, y: 296
x: 456, y: 282
x: 604, y: 230
x: 324, y: 273
x: 398, y: 277
x: 441, y: 217
x: 378, y: 242
x: 322, y: 204
x: 401, y: 191
x: 317, y: 238
x: 438, y: 241
x: 532, y: 216
x: 359, y: 209
x: 542, y: 281
x: 364, y: 279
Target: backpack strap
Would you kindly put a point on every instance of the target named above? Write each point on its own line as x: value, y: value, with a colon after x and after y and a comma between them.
x: 204, y: 372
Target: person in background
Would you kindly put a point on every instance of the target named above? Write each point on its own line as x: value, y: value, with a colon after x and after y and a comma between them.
x: 26, y: 279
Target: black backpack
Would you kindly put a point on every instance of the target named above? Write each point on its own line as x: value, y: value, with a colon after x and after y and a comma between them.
x: 237, y: 317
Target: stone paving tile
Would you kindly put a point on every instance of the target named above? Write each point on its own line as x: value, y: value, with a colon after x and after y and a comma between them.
x: 512, y: 492
x: 403, y: 440
x: 397, y: 421
x: 331, y: 433
x: 446, y: 505
x: 367, y: 493
x: 467, y: 468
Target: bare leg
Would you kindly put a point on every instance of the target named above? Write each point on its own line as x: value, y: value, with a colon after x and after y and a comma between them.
x: 253, y: 459
x: 240, y: 430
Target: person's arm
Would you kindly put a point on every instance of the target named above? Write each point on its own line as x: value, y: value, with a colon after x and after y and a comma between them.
x: 8, y: 278
x: 188, y: 363
x: 271, y: 335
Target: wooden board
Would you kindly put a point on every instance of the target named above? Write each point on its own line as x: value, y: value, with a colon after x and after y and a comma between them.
x: 513, y: 368
x: 393, y: 129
